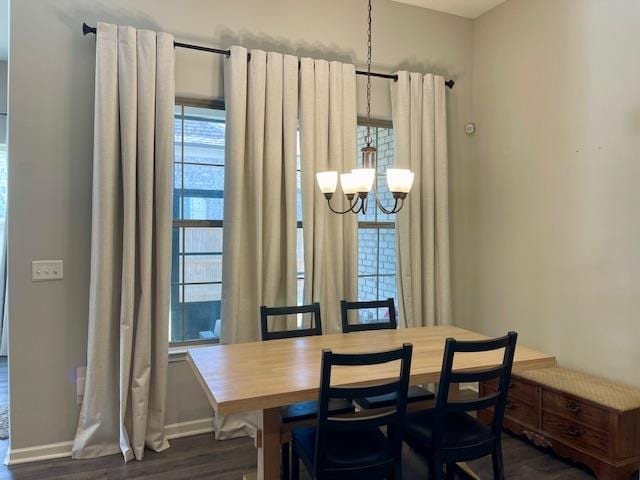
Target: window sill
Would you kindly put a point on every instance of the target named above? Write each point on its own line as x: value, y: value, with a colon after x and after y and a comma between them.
x: 179, y: 353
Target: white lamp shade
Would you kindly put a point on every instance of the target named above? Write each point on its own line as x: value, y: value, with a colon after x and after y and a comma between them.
x: 364, y: 178
x: 399, y: 180
x: 327, y: 181
x: 348, y: 184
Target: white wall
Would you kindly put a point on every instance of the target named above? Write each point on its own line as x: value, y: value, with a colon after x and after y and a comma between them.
x: 553, y: 207
x: 51, y: 104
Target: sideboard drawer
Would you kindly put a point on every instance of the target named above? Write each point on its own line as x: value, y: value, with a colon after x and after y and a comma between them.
x: 572, y: 408
x: 516, y: 409
x: 518, y: 388
x: 573, y: 433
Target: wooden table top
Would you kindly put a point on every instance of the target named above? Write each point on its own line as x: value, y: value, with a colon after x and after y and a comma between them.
x: 260, y: 375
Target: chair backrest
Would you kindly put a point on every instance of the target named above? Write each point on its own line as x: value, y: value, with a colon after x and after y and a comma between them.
x: 393, y: 417
x: 501, y: 373
x: 266, y: 312
x: 389, y: 304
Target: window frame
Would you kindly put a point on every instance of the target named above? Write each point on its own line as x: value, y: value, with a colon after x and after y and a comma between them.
x: 186, y: 223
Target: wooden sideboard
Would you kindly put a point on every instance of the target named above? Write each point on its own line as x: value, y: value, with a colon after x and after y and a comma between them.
x: 603, y: 438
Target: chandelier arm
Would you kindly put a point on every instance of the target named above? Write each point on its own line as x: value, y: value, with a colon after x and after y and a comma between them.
x: 350, y: 209
x: 394, y: 209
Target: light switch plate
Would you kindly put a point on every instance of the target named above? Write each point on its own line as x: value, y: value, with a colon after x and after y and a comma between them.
x: 43, y: 270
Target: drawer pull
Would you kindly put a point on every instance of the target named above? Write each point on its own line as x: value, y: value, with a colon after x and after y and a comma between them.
x: 573, y: 407
x: 575, y: 431
x: 510, y: 405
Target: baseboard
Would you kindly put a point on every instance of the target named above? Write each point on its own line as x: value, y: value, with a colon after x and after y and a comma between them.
x: 190, y: 428
x: 38, y: 453
x: 16, y: 456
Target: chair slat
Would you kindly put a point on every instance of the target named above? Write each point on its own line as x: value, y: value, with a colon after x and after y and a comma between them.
x: 476, y: 376
x: 346, y: 307
x: 266, y: 312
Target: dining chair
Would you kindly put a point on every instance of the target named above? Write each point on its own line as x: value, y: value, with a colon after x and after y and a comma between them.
x: 447, y: 434
x: 355, y: 447
x: 415, y: 393
x: 302, y: 411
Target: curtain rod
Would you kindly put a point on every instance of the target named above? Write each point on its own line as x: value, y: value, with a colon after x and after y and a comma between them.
x: 86, y: 30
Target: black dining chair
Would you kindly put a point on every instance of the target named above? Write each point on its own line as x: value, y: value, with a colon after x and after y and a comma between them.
x: 354, y: 447
x: 298, y: 412
x: 447, y: 434
x: 416, y: 393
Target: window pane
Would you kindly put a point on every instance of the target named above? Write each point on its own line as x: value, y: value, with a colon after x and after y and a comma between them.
x: 300, y: 253
x: 176, y: 258
x: 204, y: 131
x: 387, y: 251
x: 299, y: 196
x: 384, y: 144
x: 203, y: 187
x: 177, y: 132
x: 175, y: 333
x: 367, y: 251
x: 300, y: 291
x: 367, y: 288
x: 202, y: 268
x: 202, y: 293
x: 203, y: 240
x: 387, y: 288
x: 177, y: 190
x: 202, y: 312
x: 205, y: 154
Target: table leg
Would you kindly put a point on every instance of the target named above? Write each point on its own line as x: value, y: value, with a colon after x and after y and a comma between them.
x: 269, y: 446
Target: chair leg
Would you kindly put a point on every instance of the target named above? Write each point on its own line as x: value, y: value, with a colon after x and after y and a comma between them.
x: 396, y: 474
x: 295, y: 464
x: 451, y: 471
x: 436, y: 469
x: 496, y: 460
x: 284, y: 461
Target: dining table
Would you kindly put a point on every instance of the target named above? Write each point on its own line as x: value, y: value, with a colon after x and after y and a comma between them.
x: 265, y: 376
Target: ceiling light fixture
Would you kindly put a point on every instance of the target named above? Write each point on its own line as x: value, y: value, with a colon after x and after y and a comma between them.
x: 357, y: 184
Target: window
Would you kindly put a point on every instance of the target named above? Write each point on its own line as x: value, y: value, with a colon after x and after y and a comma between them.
x: 196, y: 273
x: 197, y: 249
x: 198, y: 201
x: 376, y: 232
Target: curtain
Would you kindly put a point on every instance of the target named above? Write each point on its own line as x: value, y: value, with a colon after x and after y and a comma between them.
x: 259, y: 262
x: 328, y: 123
x: 127, y: 354
x: 4, y: 337
x: 422, y: 226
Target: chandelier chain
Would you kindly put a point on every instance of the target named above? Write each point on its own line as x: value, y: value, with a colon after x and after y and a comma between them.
x: 368, y: 137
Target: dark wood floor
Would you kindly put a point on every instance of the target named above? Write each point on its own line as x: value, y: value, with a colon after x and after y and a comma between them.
x: 202, y: 457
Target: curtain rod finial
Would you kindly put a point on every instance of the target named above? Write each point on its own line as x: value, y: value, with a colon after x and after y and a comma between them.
x: 86, y: 29
x: 450, y: 84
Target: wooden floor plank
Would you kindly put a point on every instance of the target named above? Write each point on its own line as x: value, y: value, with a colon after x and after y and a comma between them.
x: 203, y: 457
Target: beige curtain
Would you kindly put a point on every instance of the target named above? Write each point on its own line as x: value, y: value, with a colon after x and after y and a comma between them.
x: 328, y: 123
x: 259, y: 262
x: 422, y: 226
x: 124, y: 399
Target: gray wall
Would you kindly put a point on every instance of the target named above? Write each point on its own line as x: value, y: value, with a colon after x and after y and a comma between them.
x: 555, y: 249
x: 51, y: 104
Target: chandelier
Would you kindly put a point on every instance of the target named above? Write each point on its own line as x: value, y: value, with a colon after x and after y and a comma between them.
x: 357, y: 184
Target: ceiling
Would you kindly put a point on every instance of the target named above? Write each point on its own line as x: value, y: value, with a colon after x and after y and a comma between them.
x: 463, y: 8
